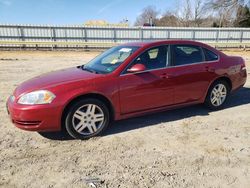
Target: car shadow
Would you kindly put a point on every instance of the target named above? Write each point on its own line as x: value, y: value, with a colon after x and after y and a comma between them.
x: 241, y: 97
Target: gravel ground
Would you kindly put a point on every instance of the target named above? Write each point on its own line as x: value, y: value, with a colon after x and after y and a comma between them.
x: 189, y: 147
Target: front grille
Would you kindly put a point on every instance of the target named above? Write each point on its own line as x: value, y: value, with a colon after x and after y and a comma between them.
x: 27, y: 123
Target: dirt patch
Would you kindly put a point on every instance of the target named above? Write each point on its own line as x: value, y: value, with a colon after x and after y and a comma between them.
x: 189, y: 147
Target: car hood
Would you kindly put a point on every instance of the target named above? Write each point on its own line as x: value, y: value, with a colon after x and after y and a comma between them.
x: 53, y: 79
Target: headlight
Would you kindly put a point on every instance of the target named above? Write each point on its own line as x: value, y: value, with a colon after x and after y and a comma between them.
x: 37, y: 97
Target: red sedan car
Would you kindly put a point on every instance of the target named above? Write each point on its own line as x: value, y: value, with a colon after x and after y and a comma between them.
x: 126, y: 81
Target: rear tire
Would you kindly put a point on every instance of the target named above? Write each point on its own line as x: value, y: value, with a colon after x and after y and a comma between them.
x: 87, y: 118
x: 217, y: 95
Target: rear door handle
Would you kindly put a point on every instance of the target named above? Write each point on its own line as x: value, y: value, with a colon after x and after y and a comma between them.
x: 209, y: 69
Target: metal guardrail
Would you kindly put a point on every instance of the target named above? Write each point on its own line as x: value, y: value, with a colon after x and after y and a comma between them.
x: 86, y: 36
x: 57, y: 43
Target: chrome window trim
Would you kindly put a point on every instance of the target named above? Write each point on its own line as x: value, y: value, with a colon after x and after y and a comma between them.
x: 169, y: 60
x: 203, y: 62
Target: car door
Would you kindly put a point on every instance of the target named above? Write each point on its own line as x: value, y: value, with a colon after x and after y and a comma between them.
x: 192, y: 74
x: 148, y: 89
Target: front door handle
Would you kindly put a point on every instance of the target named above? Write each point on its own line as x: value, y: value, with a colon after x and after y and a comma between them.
x: 165, y: 76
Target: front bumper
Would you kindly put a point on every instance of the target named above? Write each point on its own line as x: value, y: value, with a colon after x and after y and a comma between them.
x: 40, y: 118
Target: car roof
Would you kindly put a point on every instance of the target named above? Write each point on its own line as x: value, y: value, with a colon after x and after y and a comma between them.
x: 161, y: 42
x: 149, y: 44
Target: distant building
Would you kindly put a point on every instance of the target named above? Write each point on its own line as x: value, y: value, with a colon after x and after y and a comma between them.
x: 104, y: 23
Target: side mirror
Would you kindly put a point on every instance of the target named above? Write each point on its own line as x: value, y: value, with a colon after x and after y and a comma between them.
x: 137, y: 68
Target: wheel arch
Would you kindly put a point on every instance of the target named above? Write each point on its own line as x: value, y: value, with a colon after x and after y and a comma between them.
x: 98, y: 96
x: 225, y: 78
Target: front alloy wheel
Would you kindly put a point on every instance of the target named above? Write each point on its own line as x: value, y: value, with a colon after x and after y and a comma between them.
x: 87, y: 118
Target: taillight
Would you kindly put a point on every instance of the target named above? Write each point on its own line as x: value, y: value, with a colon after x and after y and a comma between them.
x: 243, y: 67
x: 243, y: 71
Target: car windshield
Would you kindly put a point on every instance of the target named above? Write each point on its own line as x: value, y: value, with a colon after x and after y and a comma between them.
x: 108, y: 61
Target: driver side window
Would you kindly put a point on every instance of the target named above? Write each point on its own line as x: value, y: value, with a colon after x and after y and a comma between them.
x: 154, y: 58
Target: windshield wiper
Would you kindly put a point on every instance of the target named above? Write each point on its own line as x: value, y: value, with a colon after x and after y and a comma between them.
x: 88, y: 69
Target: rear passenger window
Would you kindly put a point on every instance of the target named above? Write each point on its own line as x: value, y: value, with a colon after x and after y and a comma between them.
x: 210, y: 56
x: 186, y: 54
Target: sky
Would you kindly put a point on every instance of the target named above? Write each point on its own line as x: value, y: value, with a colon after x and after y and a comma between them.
x: 63, y: 12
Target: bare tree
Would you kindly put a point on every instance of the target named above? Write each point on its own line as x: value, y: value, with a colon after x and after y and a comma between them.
x: 198, y: 12
x: 191, y: 13
x: 242, y: 17
x: 218, y: 4
x: 148, y: 13
x: 187, y: 13
x: 225, y: 9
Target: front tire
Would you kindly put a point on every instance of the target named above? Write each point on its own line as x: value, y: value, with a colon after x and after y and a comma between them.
x: 217, y: 95
x: 87, y: 118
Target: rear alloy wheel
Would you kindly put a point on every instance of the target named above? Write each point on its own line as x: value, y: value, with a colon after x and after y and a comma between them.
x: 87, y: 118
x: 217, y: 95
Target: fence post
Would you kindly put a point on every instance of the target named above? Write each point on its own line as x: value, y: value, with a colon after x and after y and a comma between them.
x: 193, y: 34
x: 53, y: 36
x: 21, y: 33
x: 21, y: 36
x: 241, y: 36
x: 66, y: 37
x: 141, y: 33
x: 85, y: 35
x: 114, y: 34
x: 168, y: 34
x: 217, y: 35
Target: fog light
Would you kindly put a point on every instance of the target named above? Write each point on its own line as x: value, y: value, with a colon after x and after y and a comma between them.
x: 12, y: 98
